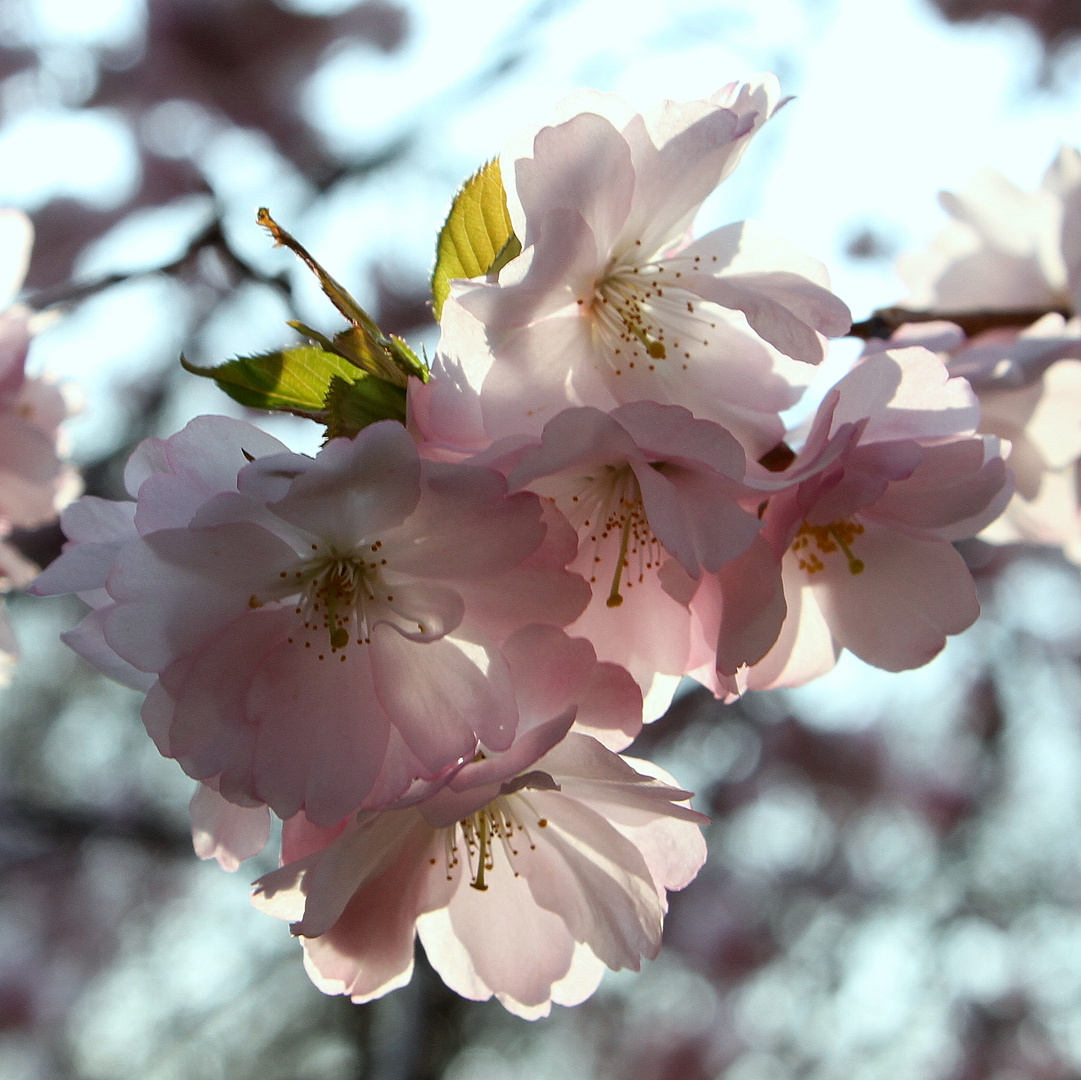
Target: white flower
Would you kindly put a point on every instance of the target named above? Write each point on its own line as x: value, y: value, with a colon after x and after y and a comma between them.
x: 610, y: 303
x: 522, y: 883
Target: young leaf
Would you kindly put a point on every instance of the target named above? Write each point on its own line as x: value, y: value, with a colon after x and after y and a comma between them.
x: 477, y: 236
x: 293, y: 380
x: 363, y: 343
x: 314, y: 336
x: 337, y: 295
x: 350, y: 406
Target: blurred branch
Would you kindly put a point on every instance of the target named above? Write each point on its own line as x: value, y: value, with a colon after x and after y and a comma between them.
x: 886, y: 320
x: 211, y: 238
x: 26, y: 828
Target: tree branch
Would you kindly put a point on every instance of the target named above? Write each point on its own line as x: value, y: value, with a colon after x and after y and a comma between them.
x: 886, y: 320
x: 212, y: 237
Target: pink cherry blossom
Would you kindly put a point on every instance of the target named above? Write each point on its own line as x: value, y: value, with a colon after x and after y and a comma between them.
x: 861, y: 521
x: 524, y: 882
x: 34, y: 481
x: 180, y: 474
x: 326, y: 632
x: 1005, y: 249
x: 1029, y: 396
x: 610, y: 303
x: 653, y: 493
x: 1012, y: 250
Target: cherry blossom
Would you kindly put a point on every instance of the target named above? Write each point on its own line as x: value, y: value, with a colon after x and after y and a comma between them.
x: 653, y: 493
x: 34, y: 481
x: 540, y: 868
x: 1032, y: 404
x: 179, y: 475
x: 1015, y: 251
x: 1005, y: 249
x: 325, y: 632
x: 861, y: 521
x: 610, y: 302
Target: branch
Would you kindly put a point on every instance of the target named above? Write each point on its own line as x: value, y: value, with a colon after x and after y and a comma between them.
x: 213, y: 236
x: 885, y: 321
x: 55, y: 827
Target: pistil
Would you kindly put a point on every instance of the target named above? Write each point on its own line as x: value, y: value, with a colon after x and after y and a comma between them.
x: 614, y: 598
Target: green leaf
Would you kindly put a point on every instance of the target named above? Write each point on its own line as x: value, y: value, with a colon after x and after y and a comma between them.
x: 351, y: 406
x: 313, y: 336
x: 477, y: 236
x: 293, y: 380
x: 363, y: 343
x: 407, y: 359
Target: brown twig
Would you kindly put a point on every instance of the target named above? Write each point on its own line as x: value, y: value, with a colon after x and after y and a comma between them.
x: 886, y: 320
x: 212, y: 237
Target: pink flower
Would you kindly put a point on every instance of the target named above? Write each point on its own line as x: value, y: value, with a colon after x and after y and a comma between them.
x: 1012, y: 250
x: 34, y: 481
x: 326, y: 632
x: 1030, y: 396
x: 1005, y: 249
x: 653, y: 494
x: 523, y: 882
x: 863, y: 518
x: 610, y: 303
x: 570, y: 685
x: 180, y: 474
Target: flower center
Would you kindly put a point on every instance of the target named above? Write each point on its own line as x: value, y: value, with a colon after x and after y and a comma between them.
x: 644, y: 314
x: 811, y: 540
x: 340, y: 597
x: 498, y: 825
x: 607, y: 508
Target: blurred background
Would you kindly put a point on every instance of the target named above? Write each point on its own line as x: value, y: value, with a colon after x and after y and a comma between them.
x: 894, y: 882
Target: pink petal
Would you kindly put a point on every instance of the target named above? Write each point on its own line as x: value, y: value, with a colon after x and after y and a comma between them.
x: 440, y: 699
x: 671, y: 433
x: 322, y: 734
x: 96, y: 529
x: 357, y: 487
x: 178, y: 586
x: 501, y: 604
x: 908, y: 394
x: 583, y: 870
x: 224, y: 831
x: 676, y: 171
x: 582, y: 165
x: 610, y: 711
x: 356, y: 859
x: 805, y: 648
x: 210, y: 730
x: 515, y: 949
x: 465, y: 525
x: 579, y: 439
x: 88, y: 640
x: 897, y: 613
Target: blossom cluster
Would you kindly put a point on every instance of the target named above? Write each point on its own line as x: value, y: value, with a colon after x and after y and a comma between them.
x: 427, y: 648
